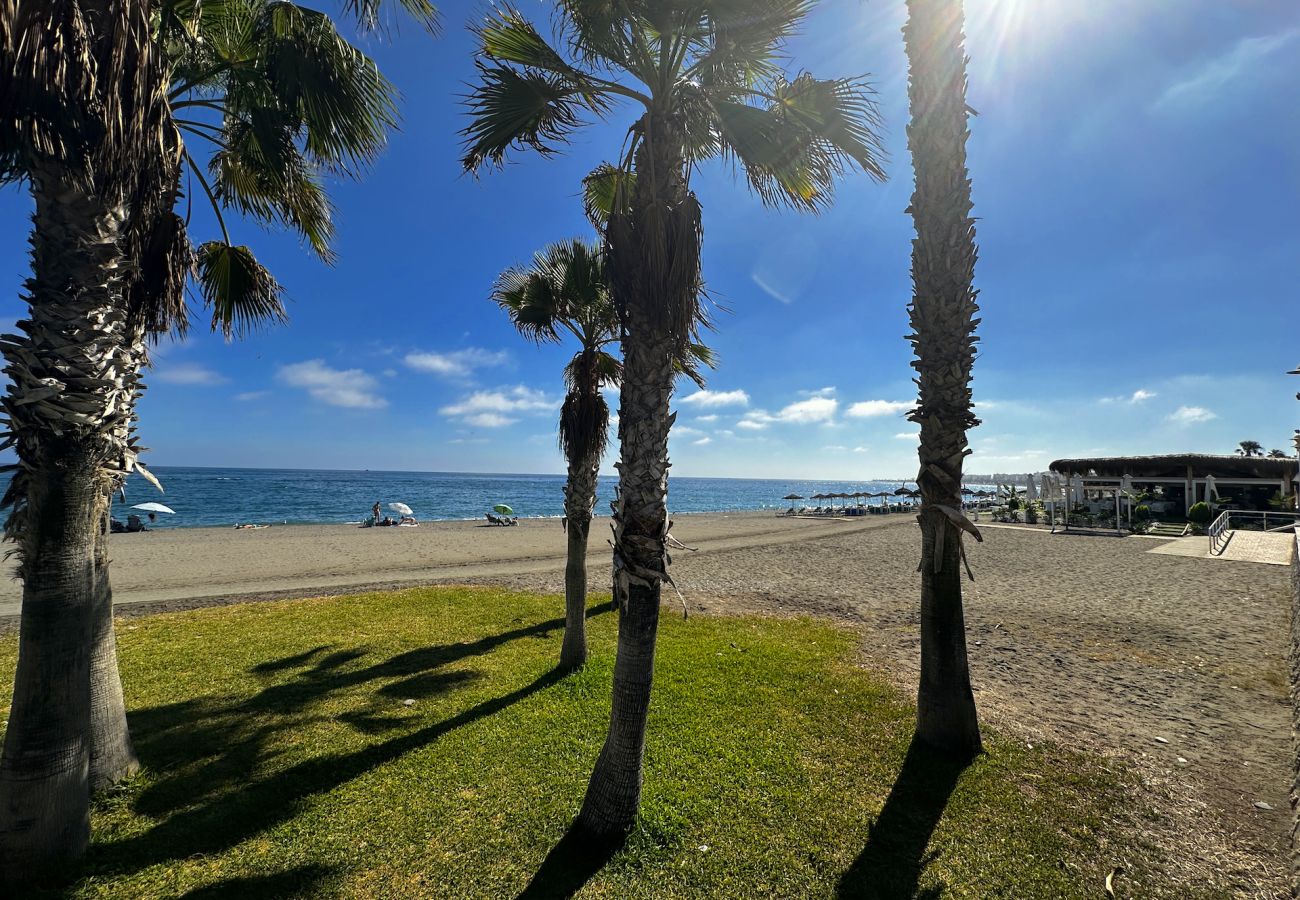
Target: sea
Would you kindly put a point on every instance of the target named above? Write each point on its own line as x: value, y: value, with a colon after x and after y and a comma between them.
x: 213, y: 497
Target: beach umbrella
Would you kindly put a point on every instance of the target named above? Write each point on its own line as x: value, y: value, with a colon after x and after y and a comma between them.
x: 902, y: 492
x: 154, y: 508
x: 1030, y: 493
x: 968, y: 492
x: 792, y: 498
x: 402, y: 509
x: 503, y: 509
x: 1211, y: 489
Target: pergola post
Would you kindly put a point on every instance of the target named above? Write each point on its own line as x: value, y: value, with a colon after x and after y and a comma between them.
x: 1189, y: 497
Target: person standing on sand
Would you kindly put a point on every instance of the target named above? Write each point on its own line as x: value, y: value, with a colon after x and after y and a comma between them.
x: 375, y: 511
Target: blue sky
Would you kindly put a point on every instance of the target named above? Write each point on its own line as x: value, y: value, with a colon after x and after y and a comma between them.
x: 1136, y: 171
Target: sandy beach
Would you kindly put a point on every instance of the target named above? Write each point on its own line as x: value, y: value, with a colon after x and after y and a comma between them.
x: 1173, y: 663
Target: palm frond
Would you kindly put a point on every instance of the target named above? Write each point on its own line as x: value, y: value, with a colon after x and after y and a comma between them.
x: 341, y: 102
x: 262, y: 174
x: 507, y: 37
x: 841, y: 114
x: 742, y: 41
x: 529, y: 298
x: 367, y: 13
x: 606, y: 188
x: 694, y: 360
x: 239, y: 290
x: 793, y: 150
x: 600, y: 32
x: 518, y: 108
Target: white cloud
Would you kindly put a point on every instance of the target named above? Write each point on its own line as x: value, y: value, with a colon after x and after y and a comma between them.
x: 349, y: 388
x: 714, y: 399
x: 1141, y: 395
x: 249, y: 396
x: 686, y: 431
x: 802, y: 412
x: 458, y: 363
x: 820, y: 392
x: 712, y: 418
x: 1189, y: 415
x: 191, y: 374
x: 702, y: 441
x: 495, y: 409
x: 1247, y: 55
x: 814, y: 409
x: 863, y: 449
x: 908, y: 436
x: 867, y: 409
x: 834, y: 448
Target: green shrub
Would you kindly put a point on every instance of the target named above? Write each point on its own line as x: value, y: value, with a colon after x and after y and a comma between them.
x: 1141, y: 513
x: 1199, y: 514
x: 1031, y: 514
x: 1013, y: 503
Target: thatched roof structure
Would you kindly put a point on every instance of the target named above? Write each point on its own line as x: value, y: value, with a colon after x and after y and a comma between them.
x: 1175, y: 465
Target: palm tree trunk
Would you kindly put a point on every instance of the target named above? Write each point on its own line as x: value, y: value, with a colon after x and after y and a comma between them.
x: 579, y: 498
x: 640, y: 563
x: 112, y: 756
x: 65, y: 406
x: 654, y: 267
x: 943, y: 322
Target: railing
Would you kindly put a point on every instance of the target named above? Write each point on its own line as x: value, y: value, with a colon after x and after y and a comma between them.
x: 1218, y: 532
x: 1219, y: 528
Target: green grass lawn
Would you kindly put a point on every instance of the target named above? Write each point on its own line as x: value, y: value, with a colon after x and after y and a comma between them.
x: 281, y: 759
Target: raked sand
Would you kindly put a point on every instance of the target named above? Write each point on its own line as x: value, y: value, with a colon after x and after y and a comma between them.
x: 1173, y: 663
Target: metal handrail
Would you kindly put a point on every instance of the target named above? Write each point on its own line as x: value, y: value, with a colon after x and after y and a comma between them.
x: 1220, y: 527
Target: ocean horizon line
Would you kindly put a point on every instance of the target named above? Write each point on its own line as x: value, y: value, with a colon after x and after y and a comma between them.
x: 160, y: 467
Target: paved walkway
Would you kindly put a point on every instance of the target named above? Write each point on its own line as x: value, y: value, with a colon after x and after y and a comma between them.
x: 1271, y: 549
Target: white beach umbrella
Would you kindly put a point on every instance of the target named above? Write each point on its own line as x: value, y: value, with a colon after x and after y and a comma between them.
x: 1211, y: 489
x: 1076, y: 489
x: 1030, y: 493
x: 401, y: 508
x: 1126, y: 484
x: 154, y: 508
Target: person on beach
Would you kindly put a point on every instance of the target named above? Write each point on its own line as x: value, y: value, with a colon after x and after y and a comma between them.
x: 375, y: 511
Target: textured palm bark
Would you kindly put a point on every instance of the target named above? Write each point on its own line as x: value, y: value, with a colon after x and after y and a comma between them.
x: 943, y: 323
x: 641, y: 520
x: 64, y: 407
x: 654, y: 266
x: 579, y: 499
x: 112, y: 755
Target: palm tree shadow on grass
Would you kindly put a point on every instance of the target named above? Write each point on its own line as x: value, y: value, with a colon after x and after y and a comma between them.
x: 299, y: 882
x: 212, y: 753
x: 890, y: 865
x: 571, y: 864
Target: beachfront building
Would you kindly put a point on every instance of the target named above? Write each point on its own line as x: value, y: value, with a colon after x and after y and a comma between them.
x: 1182, y: 479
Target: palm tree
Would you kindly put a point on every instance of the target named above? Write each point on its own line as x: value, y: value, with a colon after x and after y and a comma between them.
x: 1250, y: 448
x: 942, y: 313
x: 1278, y: 454
x: 96, y: 103
x: 564, y: 291
x: 705, y: 79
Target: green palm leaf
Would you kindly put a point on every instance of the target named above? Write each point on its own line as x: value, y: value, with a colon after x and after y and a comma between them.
x: 516, y: 108
x: 237, y: 289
